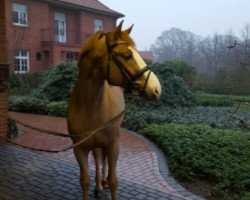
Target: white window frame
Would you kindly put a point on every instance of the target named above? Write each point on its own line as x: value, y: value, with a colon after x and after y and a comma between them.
x: 98, y: 25
x: 19, y: 14
x: 71, y: 56
x: 21, y: 61
x: 60, y: 27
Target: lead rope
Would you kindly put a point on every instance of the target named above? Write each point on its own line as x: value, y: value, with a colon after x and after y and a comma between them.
x: 49, y: 132
x: 90, y: 134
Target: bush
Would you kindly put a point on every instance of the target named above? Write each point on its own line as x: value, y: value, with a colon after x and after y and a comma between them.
x: 56, y: 85
x: 12, y: 129
x: 29, y: 104
x: 58, y: 108
x: 24, y: 84
x: 199, y: 151
x: 184, y: 70
x: 175, y: 92
x: 137, y: 118
x: 203, y: 99
x: 226, y: 81
x: 57, y: 82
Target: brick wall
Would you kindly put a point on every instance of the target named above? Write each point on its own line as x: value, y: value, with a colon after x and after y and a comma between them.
x: 3, y: 71
x: 37, y: 36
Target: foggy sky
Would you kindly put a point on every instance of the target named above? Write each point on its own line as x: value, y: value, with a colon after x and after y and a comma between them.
x: 202, y: 17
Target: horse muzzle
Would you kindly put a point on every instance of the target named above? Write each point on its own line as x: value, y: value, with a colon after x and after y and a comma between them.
x: 153, y: 90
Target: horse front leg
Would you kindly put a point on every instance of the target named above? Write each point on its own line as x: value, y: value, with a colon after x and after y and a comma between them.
x: 82, y: 159
x: 104, y: 169
x: 97, y: 158
x: 113, y: 153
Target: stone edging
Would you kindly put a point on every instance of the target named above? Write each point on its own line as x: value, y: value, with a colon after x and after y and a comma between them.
x: 159, y: 156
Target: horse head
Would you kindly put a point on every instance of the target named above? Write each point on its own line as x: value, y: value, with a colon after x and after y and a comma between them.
x: 121, y: 63
x: 126, y: 68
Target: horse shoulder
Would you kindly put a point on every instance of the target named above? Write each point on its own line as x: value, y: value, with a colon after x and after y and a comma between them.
x: 116, y: 98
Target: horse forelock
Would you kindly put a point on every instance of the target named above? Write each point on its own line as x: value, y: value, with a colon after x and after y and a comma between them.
x: 126, y: 38
x: 90, y: 43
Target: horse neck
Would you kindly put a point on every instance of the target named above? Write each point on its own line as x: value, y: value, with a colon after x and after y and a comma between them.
x: 90, y: 86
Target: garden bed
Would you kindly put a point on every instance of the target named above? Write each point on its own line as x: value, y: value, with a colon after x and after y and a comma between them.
x: 221, y: 158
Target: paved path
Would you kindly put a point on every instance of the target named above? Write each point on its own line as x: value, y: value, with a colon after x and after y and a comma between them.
x: 26, y: 174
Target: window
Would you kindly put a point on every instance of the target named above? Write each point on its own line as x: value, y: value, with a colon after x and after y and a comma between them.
x: 38, y: 56
x: 71, y: 56
x: 21, y: 60
x: 98, y: 25
x: 20, y: 15
x: 60, y: 27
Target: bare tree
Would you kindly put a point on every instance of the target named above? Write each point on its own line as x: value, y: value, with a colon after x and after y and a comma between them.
x: 175, y: 44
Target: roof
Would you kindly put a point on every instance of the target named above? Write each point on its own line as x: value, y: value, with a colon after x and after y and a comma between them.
x: 147, y: 55
x: 94, y: 5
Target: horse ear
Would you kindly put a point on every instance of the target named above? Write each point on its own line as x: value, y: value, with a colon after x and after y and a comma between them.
x: 118, y: 29
x: 128, y: 31
x: 101, y: 35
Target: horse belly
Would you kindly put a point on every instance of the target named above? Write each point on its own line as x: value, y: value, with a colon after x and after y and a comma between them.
x: 100, y: 140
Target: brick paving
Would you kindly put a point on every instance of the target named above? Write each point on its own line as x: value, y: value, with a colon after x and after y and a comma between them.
x: 25, y: 174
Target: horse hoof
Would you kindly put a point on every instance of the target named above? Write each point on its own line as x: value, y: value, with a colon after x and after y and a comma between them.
x: 105, y: 184
x: 97, y: 194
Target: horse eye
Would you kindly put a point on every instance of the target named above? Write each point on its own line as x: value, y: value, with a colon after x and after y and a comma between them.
x: 127, y: 56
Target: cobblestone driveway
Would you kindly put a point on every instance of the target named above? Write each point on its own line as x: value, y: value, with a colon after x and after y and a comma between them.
x: 31, y: 175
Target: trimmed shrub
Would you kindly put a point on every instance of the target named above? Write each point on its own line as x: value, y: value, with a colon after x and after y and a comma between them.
x: 24, y: 84
x: 203, y: 99
x: 184, y: 70
x: 12, y: 129
x: 226, y: 81
x: 58, y: 108
x: 175, y: 92
x: 137, y: 118
x: 29, y: 104
x: 199, y: 151
x: 57, y: 82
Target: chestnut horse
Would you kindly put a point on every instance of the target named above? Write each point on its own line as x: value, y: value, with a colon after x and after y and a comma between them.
x: 108, y: 63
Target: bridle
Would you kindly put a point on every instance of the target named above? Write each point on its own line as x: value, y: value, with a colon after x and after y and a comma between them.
x: 132, y: 78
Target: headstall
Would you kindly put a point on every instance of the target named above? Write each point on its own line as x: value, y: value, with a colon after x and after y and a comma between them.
x: 132, y: 78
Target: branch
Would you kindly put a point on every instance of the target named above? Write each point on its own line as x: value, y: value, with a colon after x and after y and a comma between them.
x: 243, y: 122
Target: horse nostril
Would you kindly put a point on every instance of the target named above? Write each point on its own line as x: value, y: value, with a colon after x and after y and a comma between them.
x: 157, y: 91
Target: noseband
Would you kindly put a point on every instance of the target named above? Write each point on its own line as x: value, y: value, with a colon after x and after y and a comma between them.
x: 132, y: 78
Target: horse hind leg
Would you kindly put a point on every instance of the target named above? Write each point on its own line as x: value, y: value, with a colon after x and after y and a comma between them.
x: 97, y: 159
x: 82, y: 159
x: 104, y: 169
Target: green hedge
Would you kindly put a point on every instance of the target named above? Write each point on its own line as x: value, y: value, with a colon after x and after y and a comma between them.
x: 56, y: 85
x: 137, y: 118
x: 203, y: 99
x: 12, y: 129
x: 198, y: 151
x: 24, y: 84
x: 175, y: 92
x: 30, y: 104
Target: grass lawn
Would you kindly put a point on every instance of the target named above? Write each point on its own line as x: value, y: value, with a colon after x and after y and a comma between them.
x: 205, y: 99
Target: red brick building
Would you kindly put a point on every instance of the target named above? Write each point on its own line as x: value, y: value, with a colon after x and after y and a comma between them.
x: 147, y: 55
x: 45, y: 32
x: 4, y: 72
